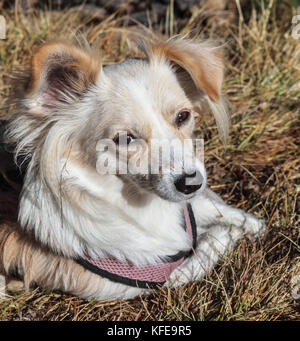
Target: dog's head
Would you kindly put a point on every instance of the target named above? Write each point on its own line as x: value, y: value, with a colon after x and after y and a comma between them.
x: 138, y: 113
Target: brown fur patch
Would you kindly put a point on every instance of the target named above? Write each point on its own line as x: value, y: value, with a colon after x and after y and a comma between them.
x: 41, y: 267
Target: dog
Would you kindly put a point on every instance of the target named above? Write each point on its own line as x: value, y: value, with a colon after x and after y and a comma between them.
x: 116, y: 235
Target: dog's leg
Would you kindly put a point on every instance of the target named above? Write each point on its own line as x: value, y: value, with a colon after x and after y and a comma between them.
x: 217, y: 242
x: 211, y: 210
x: 219, y: 228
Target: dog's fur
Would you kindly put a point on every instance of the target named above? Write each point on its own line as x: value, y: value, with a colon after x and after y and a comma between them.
x: 67, y: 208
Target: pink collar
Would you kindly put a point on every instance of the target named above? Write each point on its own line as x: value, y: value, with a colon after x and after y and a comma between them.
x: 146, y: 276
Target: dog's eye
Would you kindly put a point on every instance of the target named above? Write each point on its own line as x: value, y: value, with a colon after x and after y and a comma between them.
x: 130, y: 139
x: 182, y: 117
x: 123, y: 138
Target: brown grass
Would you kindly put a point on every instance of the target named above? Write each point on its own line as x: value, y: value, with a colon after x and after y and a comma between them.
x: 259, y: 170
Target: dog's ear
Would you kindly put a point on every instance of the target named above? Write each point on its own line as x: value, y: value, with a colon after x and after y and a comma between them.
x: 199, y: 69
x: 199, y: 65
x: 61, y: 73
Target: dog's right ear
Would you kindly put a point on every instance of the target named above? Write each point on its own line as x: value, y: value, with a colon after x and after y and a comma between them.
x: 61, y: 74
x: 199, y: 69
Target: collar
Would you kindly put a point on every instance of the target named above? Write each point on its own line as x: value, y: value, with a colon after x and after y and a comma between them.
x: 145, y: 276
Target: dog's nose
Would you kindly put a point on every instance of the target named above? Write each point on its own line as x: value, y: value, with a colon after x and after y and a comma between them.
x: 189, y: 183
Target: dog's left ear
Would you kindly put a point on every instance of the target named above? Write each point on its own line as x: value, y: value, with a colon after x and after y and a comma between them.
x: 199, y: 65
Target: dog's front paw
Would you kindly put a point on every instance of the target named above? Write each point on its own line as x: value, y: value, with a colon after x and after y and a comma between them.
x: 254, y: 226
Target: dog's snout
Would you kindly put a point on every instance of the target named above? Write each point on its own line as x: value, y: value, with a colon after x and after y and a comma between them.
x: 189, y: 183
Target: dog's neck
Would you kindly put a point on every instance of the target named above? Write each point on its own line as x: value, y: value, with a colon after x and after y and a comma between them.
x: 100, y: 215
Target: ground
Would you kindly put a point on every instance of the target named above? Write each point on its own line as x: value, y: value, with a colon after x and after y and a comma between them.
x: 258, y: 169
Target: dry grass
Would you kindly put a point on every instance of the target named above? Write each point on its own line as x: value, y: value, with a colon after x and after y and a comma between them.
x: 258, y: 171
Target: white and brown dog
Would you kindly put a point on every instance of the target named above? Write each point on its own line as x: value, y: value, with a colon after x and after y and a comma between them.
x: 116, y: 234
